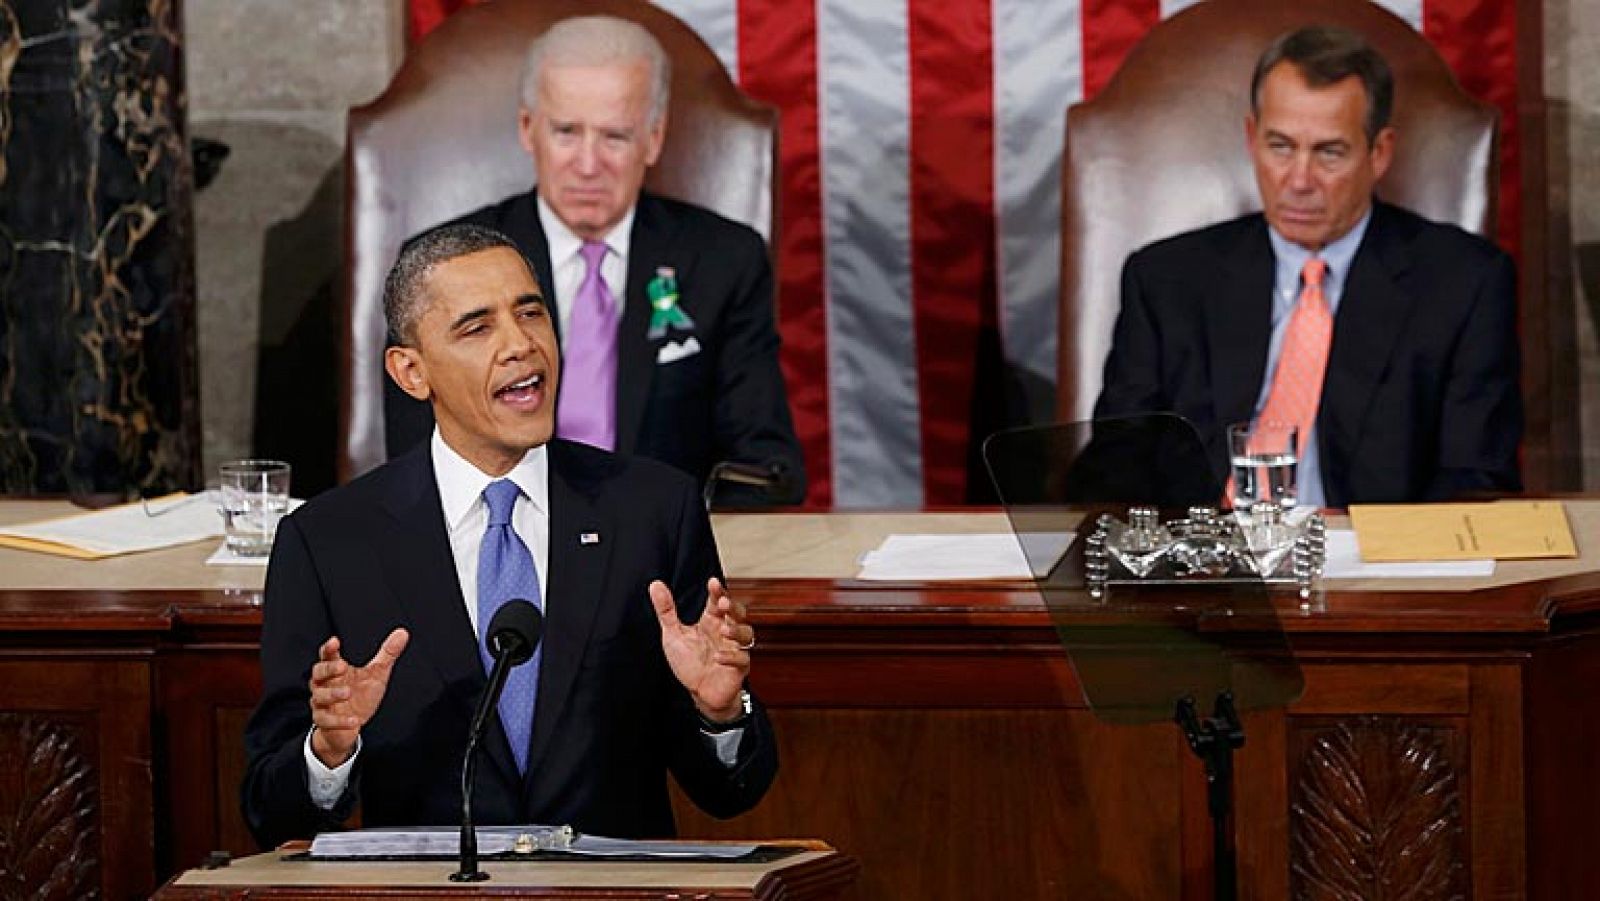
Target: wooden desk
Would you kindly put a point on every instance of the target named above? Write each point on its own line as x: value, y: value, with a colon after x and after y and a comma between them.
x: 816, y: 874
x: 935, y: 733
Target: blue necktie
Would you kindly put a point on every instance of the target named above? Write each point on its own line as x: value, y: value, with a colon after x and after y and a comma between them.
x: 505, y: 572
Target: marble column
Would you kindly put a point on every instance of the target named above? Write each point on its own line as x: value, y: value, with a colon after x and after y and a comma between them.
x: 98, y: 385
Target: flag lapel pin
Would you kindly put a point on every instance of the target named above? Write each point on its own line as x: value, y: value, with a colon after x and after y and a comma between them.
x: 589, y: 538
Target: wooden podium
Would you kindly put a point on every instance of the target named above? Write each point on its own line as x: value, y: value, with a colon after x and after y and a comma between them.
x: 814, y: 873
x: 936, y: 732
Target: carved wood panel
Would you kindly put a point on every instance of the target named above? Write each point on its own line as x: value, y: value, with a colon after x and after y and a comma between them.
x: 49, y: 815
x: 1377, y: 811
x: 75, y: 756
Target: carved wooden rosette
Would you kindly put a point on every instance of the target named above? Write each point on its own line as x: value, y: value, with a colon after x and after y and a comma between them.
x: 49, y: 821
x: 1377, y: 812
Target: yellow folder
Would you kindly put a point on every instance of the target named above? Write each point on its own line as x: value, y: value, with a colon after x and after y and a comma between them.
x: 1498, y: 530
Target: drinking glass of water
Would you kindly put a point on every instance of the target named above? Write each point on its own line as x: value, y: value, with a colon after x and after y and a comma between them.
x: 1264, y: 458
x: 254, y: 496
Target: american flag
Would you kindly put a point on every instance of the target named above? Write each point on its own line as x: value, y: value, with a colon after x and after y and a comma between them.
x: 920, y: 158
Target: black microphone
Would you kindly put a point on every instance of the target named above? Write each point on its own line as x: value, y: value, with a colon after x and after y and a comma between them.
x: 513, y: 634
x: 771, y: 477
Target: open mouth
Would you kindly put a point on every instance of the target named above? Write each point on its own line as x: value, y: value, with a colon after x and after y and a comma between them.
x: 525, y: 392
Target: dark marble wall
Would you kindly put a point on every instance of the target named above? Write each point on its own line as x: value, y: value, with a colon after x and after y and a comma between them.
x: 98, y: 383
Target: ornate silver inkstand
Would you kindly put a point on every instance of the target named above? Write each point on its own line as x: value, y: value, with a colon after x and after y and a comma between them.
x: 1262, y: 545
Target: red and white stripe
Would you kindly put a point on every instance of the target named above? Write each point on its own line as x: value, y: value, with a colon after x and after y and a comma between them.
x: 920, y: 158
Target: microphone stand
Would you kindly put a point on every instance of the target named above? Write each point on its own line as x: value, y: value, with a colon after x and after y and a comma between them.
x: 469, y: 871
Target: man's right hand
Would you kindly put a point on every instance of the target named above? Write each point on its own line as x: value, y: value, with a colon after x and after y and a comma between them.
x: 344, y: 697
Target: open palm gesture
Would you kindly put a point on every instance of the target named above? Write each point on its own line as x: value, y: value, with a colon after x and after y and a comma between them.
x: 345, y: 697
x: 712, y: 657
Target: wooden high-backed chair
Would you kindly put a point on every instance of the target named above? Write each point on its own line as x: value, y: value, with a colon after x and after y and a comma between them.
x: 1162, y: 150
x: 441, y: 141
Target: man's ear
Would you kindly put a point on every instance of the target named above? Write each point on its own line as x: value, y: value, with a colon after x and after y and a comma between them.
x: 654, y: 140
x: 1382, y: 152
x: 525, y: 125
x: 404, y: 365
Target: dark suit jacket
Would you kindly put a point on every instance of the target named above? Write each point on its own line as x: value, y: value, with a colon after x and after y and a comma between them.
x: 725, y: 403
x: 1421, y: 399
x: 611, y: 719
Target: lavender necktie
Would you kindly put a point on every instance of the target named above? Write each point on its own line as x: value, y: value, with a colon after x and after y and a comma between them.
x: 506, y: 571
x: 588, y: 408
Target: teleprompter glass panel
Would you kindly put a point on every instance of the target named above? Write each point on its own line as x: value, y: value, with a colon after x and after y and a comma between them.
x: 1190, y: 618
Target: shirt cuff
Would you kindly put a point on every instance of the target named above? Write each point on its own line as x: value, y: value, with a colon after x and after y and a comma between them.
x: 725, y: 744
x: 327, y: 786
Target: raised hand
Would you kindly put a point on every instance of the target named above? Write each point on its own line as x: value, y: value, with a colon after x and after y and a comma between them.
x: 712, y: 657
x: 344, y: 697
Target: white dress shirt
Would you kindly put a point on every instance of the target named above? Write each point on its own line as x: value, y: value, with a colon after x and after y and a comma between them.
x: 466, y: 517
x: 567, y: 267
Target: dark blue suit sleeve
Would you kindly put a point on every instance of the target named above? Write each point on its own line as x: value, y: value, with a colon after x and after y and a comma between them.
x: 1480, y: 422
x: 1132, y: 381
x: 717, y: 789
x: 752, y: 419
x: 275, y: 796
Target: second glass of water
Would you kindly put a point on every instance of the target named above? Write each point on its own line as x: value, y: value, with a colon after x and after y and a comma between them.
x: 1264, y: 455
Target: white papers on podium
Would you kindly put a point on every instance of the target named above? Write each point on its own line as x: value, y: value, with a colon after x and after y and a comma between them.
x: 934, y: 558
x: 1344, y: 562
x: 140, y: 526
x: 444, y: 841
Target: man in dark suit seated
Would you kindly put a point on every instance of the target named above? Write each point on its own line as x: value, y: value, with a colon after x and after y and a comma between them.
x: 664, y: 310
x: 405, y: 567
x: 1390, y: 340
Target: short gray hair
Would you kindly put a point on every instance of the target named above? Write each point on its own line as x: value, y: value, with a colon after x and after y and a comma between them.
x: 598, y: 41
x: 1325, y: 55
x: 404, y: 293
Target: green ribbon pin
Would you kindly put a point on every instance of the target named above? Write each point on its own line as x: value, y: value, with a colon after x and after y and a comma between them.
x: 664, y: 310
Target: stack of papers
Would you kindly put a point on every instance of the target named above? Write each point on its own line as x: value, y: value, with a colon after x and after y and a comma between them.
x: 933, y: 558
x: 440, y: 841
x: 141, y: 526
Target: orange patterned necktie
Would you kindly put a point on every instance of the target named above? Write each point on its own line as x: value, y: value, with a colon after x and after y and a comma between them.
x: 1303, y: 360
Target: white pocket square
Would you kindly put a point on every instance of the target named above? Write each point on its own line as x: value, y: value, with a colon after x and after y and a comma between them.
x: 674, y: 351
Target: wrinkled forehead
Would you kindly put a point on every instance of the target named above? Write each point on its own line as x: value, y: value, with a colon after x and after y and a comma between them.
x: 622, y: 81
x: 496, y: 276
x: 1290, y: 104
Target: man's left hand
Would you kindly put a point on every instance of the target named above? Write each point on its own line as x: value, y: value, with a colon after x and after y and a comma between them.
x: 712, y: 657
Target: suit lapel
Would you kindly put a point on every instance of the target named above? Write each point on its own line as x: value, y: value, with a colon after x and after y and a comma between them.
x: 1374, y: 310
x: 649, y: 247
x: 420, y: 571
x: 1239, y: 324
x: 576, y: 584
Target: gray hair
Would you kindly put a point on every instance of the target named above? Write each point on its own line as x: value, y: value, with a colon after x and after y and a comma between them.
x: 1325, y: 55
x: 404, y: 293
x: 598, y: 41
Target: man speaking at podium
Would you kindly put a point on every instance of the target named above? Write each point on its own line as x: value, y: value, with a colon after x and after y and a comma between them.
x: 372, y: 651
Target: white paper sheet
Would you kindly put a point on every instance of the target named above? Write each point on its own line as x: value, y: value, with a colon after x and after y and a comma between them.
x: 140, y: 526
x: 1344, y: 562
x: 933, y: 558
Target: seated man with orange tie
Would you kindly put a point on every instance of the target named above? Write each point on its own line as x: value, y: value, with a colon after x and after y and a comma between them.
x: 378, y: 595
x: 664, y: 310
x: 1390, y: 341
